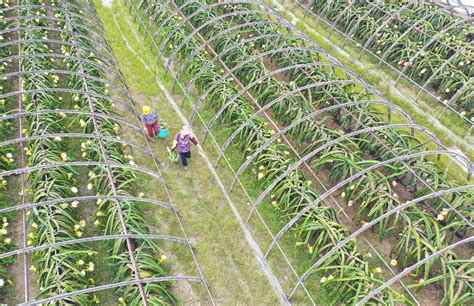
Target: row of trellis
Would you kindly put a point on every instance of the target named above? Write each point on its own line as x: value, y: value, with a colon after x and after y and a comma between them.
x: 324, y: 157
x: 64, y: 110
x: 418, y: 40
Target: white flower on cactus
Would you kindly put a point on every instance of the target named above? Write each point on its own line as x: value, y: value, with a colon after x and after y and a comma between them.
x: 79, y: 234
x: 393, y: 262
x: 163, y: 258
x: 260, y: 175
x: 9, y: 155
x: 34, y: 225
x: 7, y: 241
x: 64, y: 156
x: 324, y: 280
x: 3, y: 232
x: 74, y: 189
x: 82, y: 123
x: 83, y: 272
x: 89, y: 186
x: 141, y: 194
x: 378, y: 270
x: 57, y: 138
x: 2, y: 282
x: 74, y: 204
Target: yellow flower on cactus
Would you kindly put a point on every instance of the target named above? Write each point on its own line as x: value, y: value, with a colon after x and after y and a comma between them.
x: 393, y: 262
x: 163, y: 258
x: 368, y: 255
x: 80, y: 262
x: 64, y: 156
x: 378, y: 270
x: 3, y: 232
x: 7, y: 241
x: 90, y: 266
x: 82, y: 123
x: 79, y: 234
x: 33, y: 269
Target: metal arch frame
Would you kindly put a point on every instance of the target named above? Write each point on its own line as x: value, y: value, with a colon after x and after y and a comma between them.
x: 231, y: 71
x: 76, y: 135
x: 413, y: 267
x: 65, y: 72
x: 350, y: 179
x: 51, y: 29
x: 407, y: 24
x: 399, y: 38
x: 359, y: 21
x: 55, y: 41
x: 48, y: 7
x: 348, y: 36
x: 118, y: 285
x: 440, y: 68
x: 319, y: 111
x: 382, y: 25
x: 80, y: 163
x: 207, y: 23
x: 244, y: 166
x: 28, y: 6
x: 365, y: 227
x: 89, y: 198
x: 111, y: 179
x: 457, y: 94
x: 341, y: 13
x: 208, y: 8
x: 336, y: 141
x: 45, y: 90
x: 202, y: 46
x: 268, y: 75
x: 260, y: 79
x: 433, y: 39
x: 170, y: 17
x: 155, y: 14
x: 76, y: 241
x: 97, y: 53
x: 69, y: 111
x: 248, y: 60
x: 58, y: 55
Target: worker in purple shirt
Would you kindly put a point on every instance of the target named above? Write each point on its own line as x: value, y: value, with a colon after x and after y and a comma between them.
x: 182, y: 142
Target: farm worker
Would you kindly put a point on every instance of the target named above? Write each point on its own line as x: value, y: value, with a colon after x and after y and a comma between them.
x: 182, y: 141
x: 151, y: 120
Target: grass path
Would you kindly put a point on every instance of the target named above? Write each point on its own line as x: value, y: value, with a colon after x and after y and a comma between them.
x: 228, y: 262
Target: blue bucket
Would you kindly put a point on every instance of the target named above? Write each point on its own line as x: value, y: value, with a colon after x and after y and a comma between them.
x: 163, y: 133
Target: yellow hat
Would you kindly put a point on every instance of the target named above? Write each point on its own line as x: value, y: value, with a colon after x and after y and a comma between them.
x: 146, y: 110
